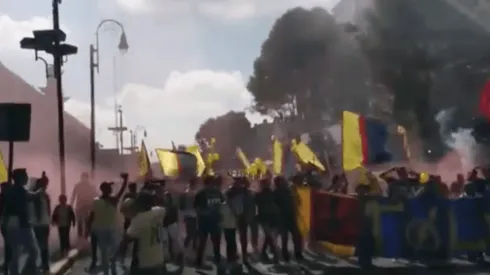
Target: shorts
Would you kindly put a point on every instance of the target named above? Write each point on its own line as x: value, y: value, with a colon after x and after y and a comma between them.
x: 157, y: 270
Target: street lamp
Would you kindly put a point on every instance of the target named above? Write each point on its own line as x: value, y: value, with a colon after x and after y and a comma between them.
x: 94, y: 64
x: 50, y: 41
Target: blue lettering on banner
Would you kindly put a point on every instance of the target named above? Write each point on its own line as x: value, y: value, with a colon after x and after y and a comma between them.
x: 440, y: 226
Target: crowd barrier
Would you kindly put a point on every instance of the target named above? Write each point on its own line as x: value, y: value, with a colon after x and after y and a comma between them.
x: 449, y: 227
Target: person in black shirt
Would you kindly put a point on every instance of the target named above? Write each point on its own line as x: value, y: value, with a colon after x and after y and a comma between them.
x: 19, y: 229
x: 242, y: 205
x: 6, y: 244
x: 42, y: 214
x: 457, y: 187
x: 208, y: 207
x: 285, y: 200
x: 64, y: 219
x: 268, y: 217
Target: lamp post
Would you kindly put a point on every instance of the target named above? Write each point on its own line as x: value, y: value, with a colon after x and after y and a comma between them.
x: 94, y: 64
x: 50, y: 41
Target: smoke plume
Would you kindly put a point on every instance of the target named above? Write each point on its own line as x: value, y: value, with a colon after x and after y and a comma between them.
x: 459, y: 139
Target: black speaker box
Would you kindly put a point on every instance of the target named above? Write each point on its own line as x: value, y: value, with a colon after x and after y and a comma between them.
x: 15, y: 121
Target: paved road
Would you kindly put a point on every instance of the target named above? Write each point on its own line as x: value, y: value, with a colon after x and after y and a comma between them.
x: 314, y: 264
x: 54, y: 248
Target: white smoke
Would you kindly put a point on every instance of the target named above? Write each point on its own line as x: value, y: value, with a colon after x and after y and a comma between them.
x: 461, y: 141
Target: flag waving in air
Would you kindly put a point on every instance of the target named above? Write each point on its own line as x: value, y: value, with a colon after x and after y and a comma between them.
x: 195, y: 150
x: 177, y: 164
x: 306, y: 156
x: 243, y: 159
x: 144, y: 162
x: 484, y: 103
x: 363, y: 141
x: 277, y: 156
x: 3, y: 170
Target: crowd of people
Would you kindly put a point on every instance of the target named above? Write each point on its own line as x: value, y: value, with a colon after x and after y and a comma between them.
x: 212, y: 207
x: 399, y: 184
x: 153, y: 217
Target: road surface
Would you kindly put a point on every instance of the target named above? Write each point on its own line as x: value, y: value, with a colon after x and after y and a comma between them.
x: 314, y: 264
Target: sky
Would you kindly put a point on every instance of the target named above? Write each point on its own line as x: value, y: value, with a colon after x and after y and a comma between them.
x: 188, y: 60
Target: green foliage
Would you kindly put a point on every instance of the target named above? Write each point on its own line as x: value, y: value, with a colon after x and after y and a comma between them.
x: 230, y: 130
x: 292, y: 60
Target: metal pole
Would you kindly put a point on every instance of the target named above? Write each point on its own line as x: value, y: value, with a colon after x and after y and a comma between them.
x: 116, y: 106
x: 57, y: 72
x: 131, y: 140
x: 121, y: 131
x: 92, y: 112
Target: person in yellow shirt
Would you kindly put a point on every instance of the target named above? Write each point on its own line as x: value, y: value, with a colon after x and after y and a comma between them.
x: 146, y: 230
x: 103, y: 222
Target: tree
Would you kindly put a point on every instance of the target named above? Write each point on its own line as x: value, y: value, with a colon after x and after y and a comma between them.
x: 293, y: 62
x: 230, y: 130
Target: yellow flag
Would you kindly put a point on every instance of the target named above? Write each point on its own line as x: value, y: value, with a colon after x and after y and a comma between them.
x: 201, y: 166
x: 169, y: 162
x: 177, y: 163
x: 3, y: 170
x: 243, y: 159
x: 306, y: 156
x: 277, y: 156
x: 144, y: 161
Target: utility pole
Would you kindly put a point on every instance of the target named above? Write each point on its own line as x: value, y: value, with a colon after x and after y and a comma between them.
x: 58, y: 62
x: 49, y: 41
x: 133, y: 148
x: 119, y: 130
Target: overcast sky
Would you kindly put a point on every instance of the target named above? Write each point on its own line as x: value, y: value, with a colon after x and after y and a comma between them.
x: 188, y: 59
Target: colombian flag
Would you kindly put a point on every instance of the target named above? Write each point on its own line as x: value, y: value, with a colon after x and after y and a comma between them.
x: 195, y: 150
x: 363, y: 141
x: 177, y: 164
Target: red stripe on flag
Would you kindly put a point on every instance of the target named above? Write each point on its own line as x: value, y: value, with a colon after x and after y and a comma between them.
x: 335, y: 218
x: 364, y: 139
x: 484, y: 104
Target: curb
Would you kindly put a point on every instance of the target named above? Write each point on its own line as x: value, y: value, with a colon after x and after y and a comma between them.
x: 62, y: 266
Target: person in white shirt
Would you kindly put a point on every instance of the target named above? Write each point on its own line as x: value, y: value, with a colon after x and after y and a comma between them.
x: 229, y: 225
x: 103, y: 222
x: 81, y: 199
x: 146, y: 230
x: 190, y: 216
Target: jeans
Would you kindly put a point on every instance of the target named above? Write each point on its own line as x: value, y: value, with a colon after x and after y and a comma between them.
x: 158, y: 270
x: 20, y: 238
x: 174, y: 235
x: 64, y: 238
x: 106, y: 240
x: 231, y: 245
x: 214, y: 232
x: 42, y: 238
x: 7, y: 251
x: 191, y: 232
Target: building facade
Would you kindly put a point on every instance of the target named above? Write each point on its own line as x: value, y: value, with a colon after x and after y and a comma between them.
x: 41, y: 153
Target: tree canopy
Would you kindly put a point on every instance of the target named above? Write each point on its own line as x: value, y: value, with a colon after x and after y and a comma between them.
x: 230, y: 130
x: 292, y: 61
